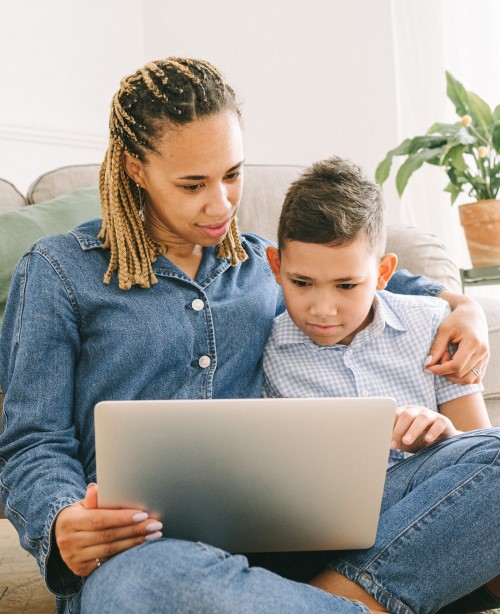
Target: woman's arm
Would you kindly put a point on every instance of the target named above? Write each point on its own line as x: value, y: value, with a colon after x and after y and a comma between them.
x: 466, y: 326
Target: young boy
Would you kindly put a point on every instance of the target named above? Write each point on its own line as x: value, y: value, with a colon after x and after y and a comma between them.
x: 342, y: 334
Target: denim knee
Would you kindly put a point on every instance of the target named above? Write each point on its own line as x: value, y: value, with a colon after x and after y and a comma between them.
x: 178, y: 577
x: 161, y: 575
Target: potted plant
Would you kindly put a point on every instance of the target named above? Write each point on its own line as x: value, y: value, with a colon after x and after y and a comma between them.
x: 468, y: 151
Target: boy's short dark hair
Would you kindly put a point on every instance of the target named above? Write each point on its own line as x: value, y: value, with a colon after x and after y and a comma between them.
x: 333, y: 202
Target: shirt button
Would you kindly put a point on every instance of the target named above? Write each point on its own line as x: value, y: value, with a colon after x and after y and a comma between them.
x: 348, y: 352
x: 197, y: 304
x: 204, y: 361
x: 365, y: 393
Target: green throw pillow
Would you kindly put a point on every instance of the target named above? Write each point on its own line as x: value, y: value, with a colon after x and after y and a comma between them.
x: 21, y: 228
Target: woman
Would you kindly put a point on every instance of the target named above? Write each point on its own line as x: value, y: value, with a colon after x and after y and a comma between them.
x: 184, y: 312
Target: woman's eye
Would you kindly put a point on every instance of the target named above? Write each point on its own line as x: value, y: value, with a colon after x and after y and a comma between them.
x: 347, y: 286
x: 192, y: 188
x: 300, y: 283
x: 233, y: 176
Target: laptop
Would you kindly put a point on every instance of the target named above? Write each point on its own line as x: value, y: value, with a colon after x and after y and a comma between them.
x: 249, y: 475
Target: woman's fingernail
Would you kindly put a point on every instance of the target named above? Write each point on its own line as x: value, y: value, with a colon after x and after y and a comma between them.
x: 156, y: 535
x: 154, y: 526
x: 140, y: 517
x: 427, y: 360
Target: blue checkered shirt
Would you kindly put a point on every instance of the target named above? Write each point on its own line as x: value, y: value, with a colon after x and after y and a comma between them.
x: 385, y: 359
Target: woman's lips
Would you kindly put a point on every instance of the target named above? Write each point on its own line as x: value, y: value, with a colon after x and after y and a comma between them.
x: 215, y: 231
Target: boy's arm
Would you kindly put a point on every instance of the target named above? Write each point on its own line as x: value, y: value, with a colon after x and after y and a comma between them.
x: 466, y: 326
x: 467, y: 413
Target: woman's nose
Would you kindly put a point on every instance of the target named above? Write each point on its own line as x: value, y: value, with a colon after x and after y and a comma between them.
x: 219, y: 201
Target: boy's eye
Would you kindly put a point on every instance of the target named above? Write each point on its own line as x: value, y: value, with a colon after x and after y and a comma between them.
x: 300, y: 283
x: 346, y: 286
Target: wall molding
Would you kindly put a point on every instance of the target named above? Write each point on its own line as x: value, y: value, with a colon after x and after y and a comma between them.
x: 50, y: 136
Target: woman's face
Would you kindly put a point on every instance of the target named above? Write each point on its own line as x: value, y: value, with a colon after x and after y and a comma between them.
x: 193, y: 184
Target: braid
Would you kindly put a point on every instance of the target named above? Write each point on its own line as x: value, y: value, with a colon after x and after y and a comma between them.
x: 132, y: 250
x: 175, y: 91
x: 231, y: 246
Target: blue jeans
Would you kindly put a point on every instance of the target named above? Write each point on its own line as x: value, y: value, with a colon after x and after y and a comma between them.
x: 438, y: 539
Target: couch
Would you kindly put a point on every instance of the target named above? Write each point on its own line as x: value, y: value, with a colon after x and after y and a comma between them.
x: 65, y: 197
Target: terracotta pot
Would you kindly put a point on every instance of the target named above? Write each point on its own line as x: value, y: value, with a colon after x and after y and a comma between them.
x: 481, y: 223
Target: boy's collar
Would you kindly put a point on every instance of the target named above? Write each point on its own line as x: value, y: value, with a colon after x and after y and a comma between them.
x: 287, y: 333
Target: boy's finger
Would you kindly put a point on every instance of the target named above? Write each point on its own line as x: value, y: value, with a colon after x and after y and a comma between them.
x: 419, y: 425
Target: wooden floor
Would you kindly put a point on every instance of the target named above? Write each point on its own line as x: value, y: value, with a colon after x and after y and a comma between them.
x: 21, y: 588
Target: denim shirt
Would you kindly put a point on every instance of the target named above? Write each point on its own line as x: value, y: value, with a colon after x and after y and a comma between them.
x: 69, y: 341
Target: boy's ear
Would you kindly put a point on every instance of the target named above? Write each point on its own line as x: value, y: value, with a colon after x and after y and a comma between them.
x: 273, y: 256
x: 386, y: 269
x: 133, y: 168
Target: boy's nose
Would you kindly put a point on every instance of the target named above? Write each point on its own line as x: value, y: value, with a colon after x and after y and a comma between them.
x: 323, y: 307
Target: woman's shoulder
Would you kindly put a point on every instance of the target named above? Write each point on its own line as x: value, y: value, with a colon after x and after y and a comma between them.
x: 84, y: 236
x: 255, y: 242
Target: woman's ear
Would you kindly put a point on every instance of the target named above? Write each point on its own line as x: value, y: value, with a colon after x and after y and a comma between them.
x: 273, y: 257
x: 386, y: 268
x: 133, y: 168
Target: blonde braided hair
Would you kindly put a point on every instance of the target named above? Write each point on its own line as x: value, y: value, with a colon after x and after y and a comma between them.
x: 171, y: 92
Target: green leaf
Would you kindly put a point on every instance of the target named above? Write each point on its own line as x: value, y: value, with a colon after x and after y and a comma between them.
x: 430, y: 141
x: 457, y: 94
x: 496, y: 114
x: 463, y: 137
x: 480, y: 112
x: 453, y: 190
x: 412, y: 163
x: 455, y: 157
x: 445, y: 129
x: 384, y: 168
x: 495, y: 137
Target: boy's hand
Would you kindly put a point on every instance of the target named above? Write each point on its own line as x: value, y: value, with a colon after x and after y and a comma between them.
x: 417, y: 427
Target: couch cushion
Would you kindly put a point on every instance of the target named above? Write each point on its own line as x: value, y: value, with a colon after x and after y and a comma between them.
x: 423, y: 254
x: 63, y: 181
x: 491, y: 384
x: 10, y: 197
x: 264, y: 190
x: 20, y: 229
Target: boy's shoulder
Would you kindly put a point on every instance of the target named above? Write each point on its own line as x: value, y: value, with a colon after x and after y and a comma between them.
x: 409, y: 307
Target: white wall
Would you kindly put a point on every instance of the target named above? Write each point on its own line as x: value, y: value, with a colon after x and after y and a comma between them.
x: 60, y: 63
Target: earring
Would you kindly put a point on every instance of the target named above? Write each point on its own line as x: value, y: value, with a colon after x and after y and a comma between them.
x: 141, y: 212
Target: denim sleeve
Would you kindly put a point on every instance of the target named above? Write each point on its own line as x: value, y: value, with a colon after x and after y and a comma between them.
x: 403, y: 282
x: 40, y: 472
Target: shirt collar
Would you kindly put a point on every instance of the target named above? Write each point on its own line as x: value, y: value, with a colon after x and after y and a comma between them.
x: 287, y: 333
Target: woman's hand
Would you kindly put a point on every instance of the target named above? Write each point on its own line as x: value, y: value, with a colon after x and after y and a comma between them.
x: 467, y: 327
x: 87, y: 536
x: 417, y: 427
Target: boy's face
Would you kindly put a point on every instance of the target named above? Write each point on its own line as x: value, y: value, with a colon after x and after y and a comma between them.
x: 329, y: 290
